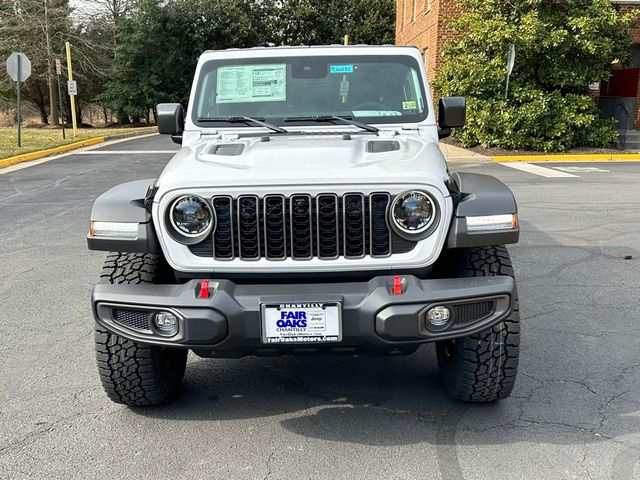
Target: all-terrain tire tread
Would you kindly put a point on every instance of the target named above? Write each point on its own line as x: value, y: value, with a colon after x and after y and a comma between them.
x: 485, y: 365
x: 133, y: 373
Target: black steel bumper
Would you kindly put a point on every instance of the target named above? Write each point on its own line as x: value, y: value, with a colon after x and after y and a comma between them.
x: 374, y: 319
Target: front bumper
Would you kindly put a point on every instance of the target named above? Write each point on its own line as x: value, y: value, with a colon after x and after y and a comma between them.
x: 374, y: 319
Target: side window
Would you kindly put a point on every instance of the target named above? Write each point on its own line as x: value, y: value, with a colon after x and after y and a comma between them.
x: 207, y: 96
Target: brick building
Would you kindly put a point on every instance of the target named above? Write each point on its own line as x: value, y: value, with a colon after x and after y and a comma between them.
x: 424, y: 23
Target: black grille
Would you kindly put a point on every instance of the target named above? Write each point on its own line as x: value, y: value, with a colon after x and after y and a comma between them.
x: 328, y: 224
x: 138, y: 319
x: 354, y: 223
x: 248, y: 227
x: 301, y: 227
x: 471, y: 312
x: 380, y: 238
x: 275, y: 227
x: 223, y: 236
x: 301, y: 234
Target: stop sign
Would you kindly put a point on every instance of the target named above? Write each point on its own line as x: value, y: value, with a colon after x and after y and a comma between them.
x: 12, y: 66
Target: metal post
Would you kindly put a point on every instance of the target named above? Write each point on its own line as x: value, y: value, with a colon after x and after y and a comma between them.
x: 61, y: 111
x: 73, y: 98
x: 344, y: 77
x: 18, y: 101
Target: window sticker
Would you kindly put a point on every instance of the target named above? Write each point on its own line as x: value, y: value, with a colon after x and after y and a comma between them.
x: 252, y: 83
x: 409, y: 105
x: 341, y: 69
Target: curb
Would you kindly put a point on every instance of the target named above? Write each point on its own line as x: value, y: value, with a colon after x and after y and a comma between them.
x: 468, y: 159
x: 601, y: 157
x: 26, y: 157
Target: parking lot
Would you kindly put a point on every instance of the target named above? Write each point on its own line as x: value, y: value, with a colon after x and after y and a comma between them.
x: 574, y: 414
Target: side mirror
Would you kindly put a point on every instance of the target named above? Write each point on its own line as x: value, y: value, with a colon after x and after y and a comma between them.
x: 170, y: 120
x: 452, y: 114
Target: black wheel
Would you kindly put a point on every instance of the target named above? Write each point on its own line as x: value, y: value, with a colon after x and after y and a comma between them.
x: 133, y: 373
x: 481, y: 367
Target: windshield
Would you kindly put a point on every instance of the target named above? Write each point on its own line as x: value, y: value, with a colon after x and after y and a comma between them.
x: 371, y: 89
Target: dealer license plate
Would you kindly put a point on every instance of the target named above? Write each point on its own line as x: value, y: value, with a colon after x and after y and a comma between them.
x: 302, y: 323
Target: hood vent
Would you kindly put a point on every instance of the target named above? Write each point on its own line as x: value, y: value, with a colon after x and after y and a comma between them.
x: 227, y: 149
x: 380, y: 146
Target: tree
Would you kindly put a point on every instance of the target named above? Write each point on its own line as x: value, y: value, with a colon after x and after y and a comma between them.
x: 562, y: 46
x: 37, y: 28
x: 158, y: 46
x: 325, y: 22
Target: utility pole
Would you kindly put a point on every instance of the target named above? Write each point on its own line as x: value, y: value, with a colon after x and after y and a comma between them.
x: 72, y: 97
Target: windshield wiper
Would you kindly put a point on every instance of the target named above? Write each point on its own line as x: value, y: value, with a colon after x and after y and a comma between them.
x: 248, y: 120
x: 328, y: 118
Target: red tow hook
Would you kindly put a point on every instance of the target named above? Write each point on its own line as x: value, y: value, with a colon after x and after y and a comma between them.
x: 204, y: 289
x: 397, y: 285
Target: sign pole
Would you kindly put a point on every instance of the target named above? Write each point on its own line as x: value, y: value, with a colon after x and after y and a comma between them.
x: 72, y: 97
x: 344, y: 77
x: 58, y: 72
x: 18, y: 101
x: 19, y: 69
x: 511, y: 60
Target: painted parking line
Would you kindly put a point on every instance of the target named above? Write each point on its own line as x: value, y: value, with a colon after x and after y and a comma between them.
x: 538, y: 170
x: 124, y: 152
x: 582, y: 169
x: 23, y: 165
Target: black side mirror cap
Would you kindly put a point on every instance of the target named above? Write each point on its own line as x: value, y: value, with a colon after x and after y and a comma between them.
x: 170, y: 120
x: 452, y: 112
x: 444, y: 133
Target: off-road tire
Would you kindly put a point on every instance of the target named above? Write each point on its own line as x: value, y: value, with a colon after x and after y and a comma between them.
x: 133, y: 373
x: 481, y: 367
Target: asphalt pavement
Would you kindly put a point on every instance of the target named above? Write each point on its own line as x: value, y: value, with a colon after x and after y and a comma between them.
x: 574, y: 414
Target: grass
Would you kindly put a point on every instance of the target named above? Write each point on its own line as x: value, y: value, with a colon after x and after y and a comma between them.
x: 34, y: 139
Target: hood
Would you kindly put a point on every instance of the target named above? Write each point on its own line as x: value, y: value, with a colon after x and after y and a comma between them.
x: 305, y: 160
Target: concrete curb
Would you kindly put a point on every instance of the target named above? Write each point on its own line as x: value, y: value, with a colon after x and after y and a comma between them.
x: 26, y: 157
x: 560, y: 158
x: 454, y: 154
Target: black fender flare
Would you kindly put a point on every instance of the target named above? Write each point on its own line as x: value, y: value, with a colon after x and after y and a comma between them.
x: 129, y: 203
x: 479, y: 195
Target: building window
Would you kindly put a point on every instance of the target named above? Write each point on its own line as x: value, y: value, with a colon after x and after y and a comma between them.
x: 427, y: 6
x: 402, y: 14
x: 413, y: 12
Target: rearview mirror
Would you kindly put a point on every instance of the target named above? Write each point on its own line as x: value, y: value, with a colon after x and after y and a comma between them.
x: 170, y: 120
x: 452, y: 114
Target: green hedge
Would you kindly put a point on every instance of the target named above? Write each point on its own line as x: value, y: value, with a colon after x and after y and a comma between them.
x: 561, y: 47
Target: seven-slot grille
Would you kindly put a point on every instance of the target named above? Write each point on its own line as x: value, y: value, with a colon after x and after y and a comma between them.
x: 300, y: 226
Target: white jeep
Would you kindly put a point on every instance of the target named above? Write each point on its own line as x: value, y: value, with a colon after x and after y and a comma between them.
x: 309, y: 210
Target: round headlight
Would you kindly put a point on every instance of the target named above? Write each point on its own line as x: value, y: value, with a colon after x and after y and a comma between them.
x: 191, y: 216
x: 413, y: 212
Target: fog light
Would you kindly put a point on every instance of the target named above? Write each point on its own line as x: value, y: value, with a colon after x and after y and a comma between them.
x: 438, y: 316
x: 166, y: 324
